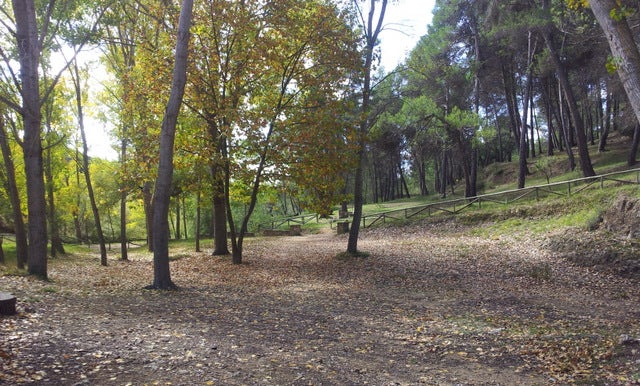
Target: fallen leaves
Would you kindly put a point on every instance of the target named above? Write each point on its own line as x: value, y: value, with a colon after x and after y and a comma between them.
x: 425, y: 306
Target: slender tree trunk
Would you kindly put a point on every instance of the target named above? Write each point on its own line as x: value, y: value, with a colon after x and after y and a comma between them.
x: 14, y: 196
x: 511, y: 99
x: 523, y: 170
x: 77, y: 211
x: 124, y: 254
x: 602, y: 144
x: 566, y: 132
x: 198, y: 213
x: 184, y: 218
x: 161, y: 198
x: 178, y: 229
x: 147, y: 200
x: 85, y: 166
x: 29, y: 54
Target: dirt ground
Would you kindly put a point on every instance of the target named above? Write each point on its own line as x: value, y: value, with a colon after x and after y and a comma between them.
x: 432, y: 304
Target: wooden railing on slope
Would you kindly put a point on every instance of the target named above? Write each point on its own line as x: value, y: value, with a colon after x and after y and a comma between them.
x: 564, y: 188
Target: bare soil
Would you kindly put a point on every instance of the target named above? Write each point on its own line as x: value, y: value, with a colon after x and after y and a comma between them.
x: 432, y: 304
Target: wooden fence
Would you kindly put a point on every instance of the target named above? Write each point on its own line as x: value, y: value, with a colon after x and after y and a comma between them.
x: 296, y: 220
x: 564, y: 188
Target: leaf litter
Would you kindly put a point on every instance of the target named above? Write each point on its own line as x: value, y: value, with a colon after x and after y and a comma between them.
x: 432, y: 304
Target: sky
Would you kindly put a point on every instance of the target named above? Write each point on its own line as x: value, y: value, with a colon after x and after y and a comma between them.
x: 405, y: 22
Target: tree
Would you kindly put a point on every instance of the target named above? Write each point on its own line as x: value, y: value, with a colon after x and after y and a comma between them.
x: 120, y: 50
x: 309, y: 60
x: 161, y: 198
x: 612, y: 17
x: 75, y: 76
x: 31, y: 39
x: 574, y: 111
x: 260, y: 69
x: 29, y: 56
x: 371, y: 26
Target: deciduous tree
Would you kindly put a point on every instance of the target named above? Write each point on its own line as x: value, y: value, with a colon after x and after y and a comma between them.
x: 161, y: 197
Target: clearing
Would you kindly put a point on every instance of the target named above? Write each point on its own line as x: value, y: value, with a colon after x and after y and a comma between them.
x: 433, y: 304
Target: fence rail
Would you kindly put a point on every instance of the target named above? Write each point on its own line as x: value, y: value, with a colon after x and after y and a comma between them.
x: 296, y: 220
x: 453, y: 207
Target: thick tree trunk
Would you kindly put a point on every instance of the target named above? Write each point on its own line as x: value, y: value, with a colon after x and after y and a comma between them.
x: 29, y: 54
x: 623, y: 47
x: 161, y: 197
x: 220, y: 237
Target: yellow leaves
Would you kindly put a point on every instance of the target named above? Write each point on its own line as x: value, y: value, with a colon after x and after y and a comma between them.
x: 577, y: 4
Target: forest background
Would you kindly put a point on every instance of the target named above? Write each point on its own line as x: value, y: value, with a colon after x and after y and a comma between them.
x: 286, y: 109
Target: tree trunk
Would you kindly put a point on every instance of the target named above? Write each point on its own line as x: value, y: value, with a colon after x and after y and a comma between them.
x: 184, y: 218
x: 178, y: 230
x: 198, y: 212
x: 85, y: 165
x: 623, y: 47
x: 161, y: 197
x: 14, y: 196
x: 606, y: 125
x: 29, y: 54
x: 147, y: 199
x: 511, y: 99
x: 221, y: 246
x: 124, y: 254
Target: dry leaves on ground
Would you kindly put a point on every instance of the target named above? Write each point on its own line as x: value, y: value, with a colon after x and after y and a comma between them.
x: 430, y: 305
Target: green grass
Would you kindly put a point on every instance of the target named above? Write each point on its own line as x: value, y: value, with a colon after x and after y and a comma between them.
x: 10, y: 263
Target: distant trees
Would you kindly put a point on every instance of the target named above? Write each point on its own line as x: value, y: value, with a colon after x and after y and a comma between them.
x: 494, y: 80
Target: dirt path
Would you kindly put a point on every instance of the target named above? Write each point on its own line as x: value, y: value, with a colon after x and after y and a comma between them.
x: 426, y: 307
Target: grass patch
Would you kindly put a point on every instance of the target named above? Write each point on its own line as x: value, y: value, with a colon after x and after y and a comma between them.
x: 50, y: 290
